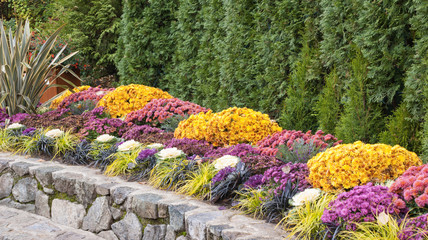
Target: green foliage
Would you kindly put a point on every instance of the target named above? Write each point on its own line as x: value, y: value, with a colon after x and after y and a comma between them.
x: 250, y: 202
x: 199, y: 182
x: 171, y: 174
x: 361, y: 119
x: 383, y: 37
x: 302, y: 91
x: 65, y: 143
x: 145, y: 46
x: 301, y: 152
x: 122, y: 162
x: 310, y: 214
x: 401, y: 131
x: 93, y: 27
x: 328, y: 107
x: 23, y: 77
x: 35, y: 11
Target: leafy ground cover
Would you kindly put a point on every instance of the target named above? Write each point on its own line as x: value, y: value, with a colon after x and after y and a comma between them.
x: 311, y: 184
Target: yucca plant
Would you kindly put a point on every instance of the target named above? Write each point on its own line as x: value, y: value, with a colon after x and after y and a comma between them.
x: 24, y: 77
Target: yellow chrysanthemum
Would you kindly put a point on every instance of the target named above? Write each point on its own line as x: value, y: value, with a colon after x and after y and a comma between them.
x: 348, y: 165
x: 126, y: 99
x: 229, y: 127
x: 56, y: 102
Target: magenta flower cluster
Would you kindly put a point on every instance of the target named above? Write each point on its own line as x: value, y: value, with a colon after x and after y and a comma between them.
x: 277, y: 177
x: 190, y: 146
x: 222, y: 174
x: 146, y: 153
x: 268, y: 145
x: 136, y: 131
x: 239, y: 150
x: 362, y: 204
x: 413, y: 185
x: 254, y: 181
x: 93, y: 93
x: 416, y: 229
x: 158, y: 110
x: 95, y: 124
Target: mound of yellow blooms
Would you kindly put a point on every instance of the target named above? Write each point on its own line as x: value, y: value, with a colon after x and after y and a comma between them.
x: 194, y: 127
x: 56, y: 102
x: 229, y: 127
x: 126, y: 99
x: 348, y: 165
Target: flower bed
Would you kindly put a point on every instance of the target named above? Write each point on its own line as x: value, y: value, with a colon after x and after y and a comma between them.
x: 312, y: 184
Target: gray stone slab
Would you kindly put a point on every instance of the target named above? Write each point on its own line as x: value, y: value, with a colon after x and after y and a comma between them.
x: 129, y: 228
x: 177, y: 214
x: 119, y: 194
x: 99, y: 217
x: 25, y: 189
x: 42, y: 204
x: 12, y: 204
x: 21, y: 168
x: 154, y: 232
x: 108, y: 235
x: 6, y: 184
x: 67, y: 213
x: 104, y: 188
x: 65, y: 181
x: 4, y: 164
x: 146, y: 205
x: 44, y: 174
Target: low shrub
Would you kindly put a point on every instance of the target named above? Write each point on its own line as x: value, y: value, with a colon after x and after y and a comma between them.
x: 348, y: 165
x: 276, y: 178
x: 126, y: 99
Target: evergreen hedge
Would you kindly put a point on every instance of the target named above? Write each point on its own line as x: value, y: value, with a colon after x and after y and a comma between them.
x: 354, y: 68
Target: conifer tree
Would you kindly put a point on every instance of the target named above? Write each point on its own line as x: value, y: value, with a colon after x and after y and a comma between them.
x: 180, y: 78
x: 302, y: 90
x: 328, y: 107
x: 361, y: 119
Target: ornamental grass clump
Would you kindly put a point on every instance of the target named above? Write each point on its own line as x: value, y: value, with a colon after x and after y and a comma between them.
x: 157, y: 111
x: 413, y: 186
x: 363, y: 204
x: 348, y: 165
x: 126, y: 99
x: 227, y: 180
x: 269, y: 145
x: 304, y: 222
x: 93, y: 94
x: 55, y: 103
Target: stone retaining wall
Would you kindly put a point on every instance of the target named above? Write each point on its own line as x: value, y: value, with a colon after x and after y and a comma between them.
x: 83, y: 198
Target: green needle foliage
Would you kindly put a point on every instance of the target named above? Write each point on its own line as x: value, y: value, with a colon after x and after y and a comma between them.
x: 24, y: 79
x: 361, y: 119
x: 65, y: 143
x: 171, y: 174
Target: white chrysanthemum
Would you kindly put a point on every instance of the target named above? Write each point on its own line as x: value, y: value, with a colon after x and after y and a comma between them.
x: 169, y: 153
x: 155, y: 145
x: 99, y: 93
x: 128, y: 146
x: 309, y: 195
x: 226, y: 161
x: 105, y: 138
x: 54, y: 133
x: 15, y: 126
